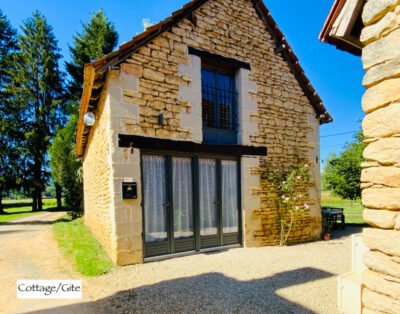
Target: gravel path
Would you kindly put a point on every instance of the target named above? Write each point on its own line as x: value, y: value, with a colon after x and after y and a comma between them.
x: 296, y: 279
x: 29, y: 251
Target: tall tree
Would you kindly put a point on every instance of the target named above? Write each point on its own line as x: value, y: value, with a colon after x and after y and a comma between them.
x: 97, y: 38
x: 8, y: 155
x: 36, y: 88
x: 342, y: 174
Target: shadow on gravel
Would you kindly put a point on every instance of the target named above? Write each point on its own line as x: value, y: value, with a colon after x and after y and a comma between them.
x: 33, y: 222
x: 212, y: 292
x: 346, y: 232
x: 15, y: 231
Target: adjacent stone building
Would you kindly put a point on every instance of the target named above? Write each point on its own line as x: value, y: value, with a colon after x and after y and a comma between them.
x: 188, y: 114
x: 373, y: 31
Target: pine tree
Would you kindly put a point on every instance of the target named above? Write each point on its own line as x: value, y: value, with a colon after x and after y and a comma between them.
x: 8, y: 154
x: 98, y: 37
x: 36, y: 91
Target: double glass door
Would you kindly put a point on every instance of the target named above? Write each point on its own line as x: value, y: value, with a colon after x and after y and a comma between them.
x: 190, y: 203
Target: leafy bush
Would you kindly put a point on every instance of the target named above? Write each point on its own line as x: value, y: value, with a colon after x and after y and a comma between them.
x: 342, y: 174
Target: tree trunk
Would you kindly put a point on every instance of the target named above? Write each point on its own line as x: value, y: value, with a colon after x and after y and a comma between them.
x: 40, y: 199
x: 34, y: 201
x: 58, y: 196
x: 82, y: 207
x: 38, y: 181
x: 1, y: 204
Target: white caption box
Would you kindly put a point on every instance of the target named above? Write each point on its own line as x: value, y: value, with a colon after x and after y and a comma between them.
x: 49, y: 289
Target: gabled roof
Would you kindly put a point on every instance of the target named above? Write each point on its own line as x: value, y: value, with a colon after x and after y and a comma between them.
x: 344, y: 14
x: 95, y: 72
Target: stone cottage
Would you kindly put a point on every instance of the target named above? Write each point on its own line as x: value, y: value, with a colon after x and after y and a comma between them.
x: 185, y: 114
x: 372, y: 29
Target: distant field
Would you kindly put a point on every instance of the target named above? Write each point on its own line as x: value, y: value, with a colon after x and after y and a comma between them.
x: 352, y: 210
x: 21, y: 208
x: 17, y: 209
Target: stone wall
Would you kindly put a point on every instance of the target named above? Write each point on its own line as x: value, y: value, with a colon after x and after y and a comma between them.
x: 381, y: 171
x: 125, y: 168
x: 115, y: 222
x: 274, y: 111
x: 98, y: 191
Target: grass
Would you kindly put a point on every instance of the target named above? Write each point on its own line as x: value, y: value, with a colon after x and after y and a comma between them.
x: 352, y: 209
x: 16, y: 209
x: 81, y: 247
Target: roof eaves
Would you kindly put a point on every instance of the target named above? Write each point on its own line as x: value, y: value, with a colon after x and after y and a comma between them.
x: 89, y: 78
x: 325, y: 36
x: 293, y: 62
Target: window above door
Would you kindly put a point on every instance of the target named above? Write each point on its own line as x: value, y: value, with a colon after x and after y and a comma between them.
x: 219, y: 107
x: 220, y: 118
x: 219, y: 103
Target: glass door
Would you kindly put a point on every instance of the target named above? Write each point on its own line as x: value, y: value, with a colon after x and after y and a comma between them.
x: 182, y: 203
x: 168, y: 205
x: 208, y: 203
x: 155, y: 205
x: 230, y: 201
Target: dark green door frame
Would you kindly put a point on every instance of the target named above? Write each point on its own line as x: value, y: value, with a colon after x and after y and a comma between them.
x: 195, y: 243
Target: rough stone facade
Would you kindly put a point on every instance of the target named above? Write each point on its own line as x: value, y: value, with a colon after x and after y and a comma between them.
x: 274, y: 112
x: 97, y: 172
x: 381, y: 173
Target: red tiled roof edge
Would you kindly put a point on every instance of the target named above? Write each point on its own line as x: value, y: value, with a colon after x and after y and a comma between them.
x: 293, y: 61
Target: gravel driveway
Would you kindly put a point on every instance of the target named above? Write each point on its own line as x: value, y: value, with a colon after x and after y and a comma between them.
x: 296, y: 279
x: 28, y: 251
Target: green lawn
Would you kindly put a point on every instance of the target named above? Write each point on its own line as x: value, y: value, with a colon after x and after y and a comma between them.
x: 16, y: 209
x: 81, y: 247
x: 352, y: 210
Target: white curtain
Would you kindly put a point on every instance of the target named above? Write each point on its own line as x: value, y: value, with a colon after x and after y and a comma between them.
x: 230, y: 208
x: 208, y: 197
x: 155, y: 214
x: 182, y: 197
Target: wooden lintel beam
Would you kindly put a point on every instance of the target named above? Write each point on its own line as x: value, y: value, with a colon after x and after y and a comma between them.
x: 152, y: 143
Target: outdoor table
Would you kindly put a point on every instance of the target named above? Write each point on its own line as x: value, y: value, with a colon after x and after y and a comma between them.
x: 334, y: 216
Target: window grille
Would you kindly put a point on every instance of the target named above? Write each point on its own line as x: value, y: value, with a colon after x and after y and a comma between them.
x: 219, y: 107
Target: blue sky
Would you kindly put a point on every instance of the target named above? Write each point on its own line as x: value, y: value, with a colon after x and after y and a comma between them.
x: 334, y: 74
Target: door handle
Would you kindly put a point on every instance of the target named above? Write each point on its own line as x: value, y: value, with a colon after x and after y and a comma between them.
x: 166, y: 204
